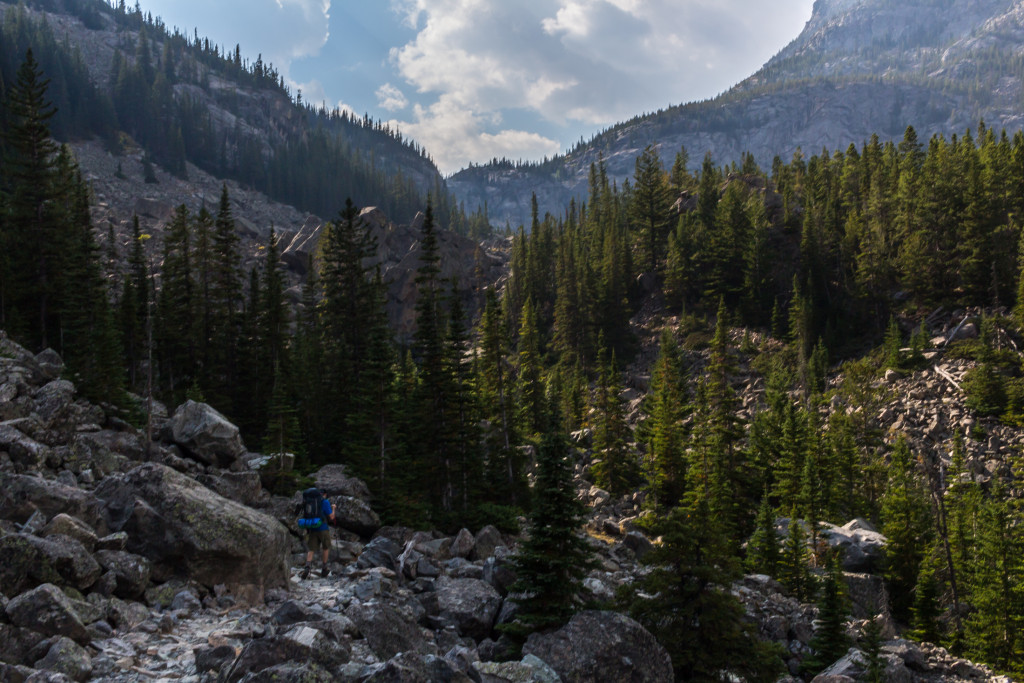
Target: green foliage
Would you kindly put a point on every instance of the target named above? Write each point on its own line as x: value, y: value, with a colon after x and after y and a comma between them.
x: 684, y: 600
x: 763, y: 552
x: 830, y: 641
x: 555, y: 557
x: 986, y: 390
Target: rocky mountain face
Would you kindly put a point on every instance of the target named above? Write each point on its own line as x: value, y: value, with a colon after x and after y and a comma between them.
x: 122, y: 561
x: 860, y: 67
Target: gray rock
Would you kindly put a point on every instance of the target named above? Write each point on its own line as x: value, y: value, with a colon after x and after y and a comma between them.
x: 241, y: 487
x: 212, y: 658
x: 300, y: 644
x: 412, y: 667
x: 386, y: 631
x: 602, y: 646
x: 332, y: 481
x: 47, y: 610
x: 486, y: 540
x: 293, y: 673
x: 863, y: 549
x: 115, y: 541
x: 380, y: 552
x: 18, y: 645
x: 66, y: 525
x: 50, y: 363
x: 67, y: 657
x: 470, y: 605
x: 293, y: 612
x: 529, y: 670
x: 204, y: 433
x: 131, y: 572
x: 463, y: 544
x: 26, y: 453
x: 21, y: 495
x: 355, y: 515
x: 126, y: 615
x: 867, y: 593
x: 638, y: 543
x: 185, y: 529
x: 187, y: 602
x: 53, y: 401
x: 27, y: 561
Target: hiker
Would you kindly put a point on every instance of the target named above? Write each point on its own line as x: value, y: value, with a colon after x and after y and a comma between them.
x: 317, y: 517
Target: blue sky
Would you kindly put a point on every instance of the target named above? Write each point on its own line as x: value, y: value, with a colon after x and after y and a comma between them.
x: 475, y: 79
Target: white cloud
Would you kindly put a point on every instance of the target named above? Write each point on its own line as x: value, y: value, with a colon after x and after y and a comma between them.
x: 281, y: 30
x: 571, y: 61
x: 391, y: 98
x: 455, y: 136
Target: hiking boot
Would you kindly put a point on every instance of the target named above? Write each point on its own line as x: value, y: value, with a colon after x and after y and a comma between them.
x: 324, y: 571
x: 305, y: 572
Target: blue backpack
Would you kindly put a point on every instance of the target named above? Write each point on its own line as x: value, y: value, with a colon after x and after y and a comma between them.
x: 312, y: 509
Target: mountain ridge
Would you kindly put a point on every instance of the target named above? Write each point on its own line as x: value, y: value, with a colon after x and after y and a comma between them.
x: 859, y: 68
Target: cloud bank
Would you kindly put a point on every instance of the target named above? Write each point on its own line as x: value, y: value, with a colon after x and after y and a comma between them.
x: 568, y: 62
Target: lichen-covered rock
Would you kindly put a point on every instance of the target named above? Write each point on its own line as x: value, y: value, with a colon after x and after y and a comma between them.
x: 53, y: 401
x: 18, y: 645
x: 529, y: 670
x: 463, y: 544
x: 21, y: 495
x: 602, y: 646
x: 27, y: 561
x: 67, y: 657
x: 47, y: 610
x: 386, y: 631
x: 131, y: 572
x: 470, y: 605
x: 26, y: 453
x: 66, y: 525
x: 204, y: 433
x: 186, y: 529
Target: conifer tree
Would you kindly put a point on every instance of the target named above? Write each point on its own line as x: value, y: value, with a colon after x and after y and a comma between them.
x: 684, y: 599
x: 225, y: 309
x: 830, y: 641
x: 555, y: 557
x: 793, y: 571
x: 530, y: 386
x: 906, y: 524
x: 763, y: 552
x: 617, y: 470
x: 666, y: 454
x: 650, y: 206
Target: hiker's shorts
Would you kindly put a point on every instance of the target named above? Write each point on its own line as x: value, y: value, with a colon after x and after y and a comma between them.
x: 319, y: 540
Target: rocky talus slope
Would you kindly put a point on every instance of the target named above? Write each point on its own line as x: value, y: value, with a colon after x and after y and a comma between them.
x: 171, y: 562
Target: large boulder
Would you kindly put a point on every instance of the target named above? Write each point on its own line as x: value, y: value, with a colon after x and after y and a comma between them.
x: 21, y: 495
x: 470, y: 605
x: 301, y: 644
x: 355, y: 515
x: 47, y: 610
x: 66, y: 525
x: 26, y: 453
x: 186, y: 529
x: 27, y: 561
x: 863, y: 548
x: 130, y: 572
x: 413, y: 667
x: 204, y: 434
x: 386, y: 631
x: 332, y: 480
x: 529, y: 670
x: 602, y: 646
x: 67, y: 657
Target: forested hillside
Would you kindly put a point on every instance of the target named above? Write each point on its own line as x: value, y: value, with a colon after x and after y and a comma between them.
x: 720, y: 353
x: 860, y: 68
x: 126, y: 78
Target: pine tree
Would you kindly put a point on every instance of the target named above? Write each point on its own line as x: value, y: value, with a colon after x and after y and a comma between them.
x: 793, y: 571
x: 617, y: 470
x: 225, y: 309
x: 650, y: 206
x: 830, y: 641
x: 907, y: 526
x: 667, y: 455
x: 555, y: 557
x: 763, y: 552
x: 684, y: 599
